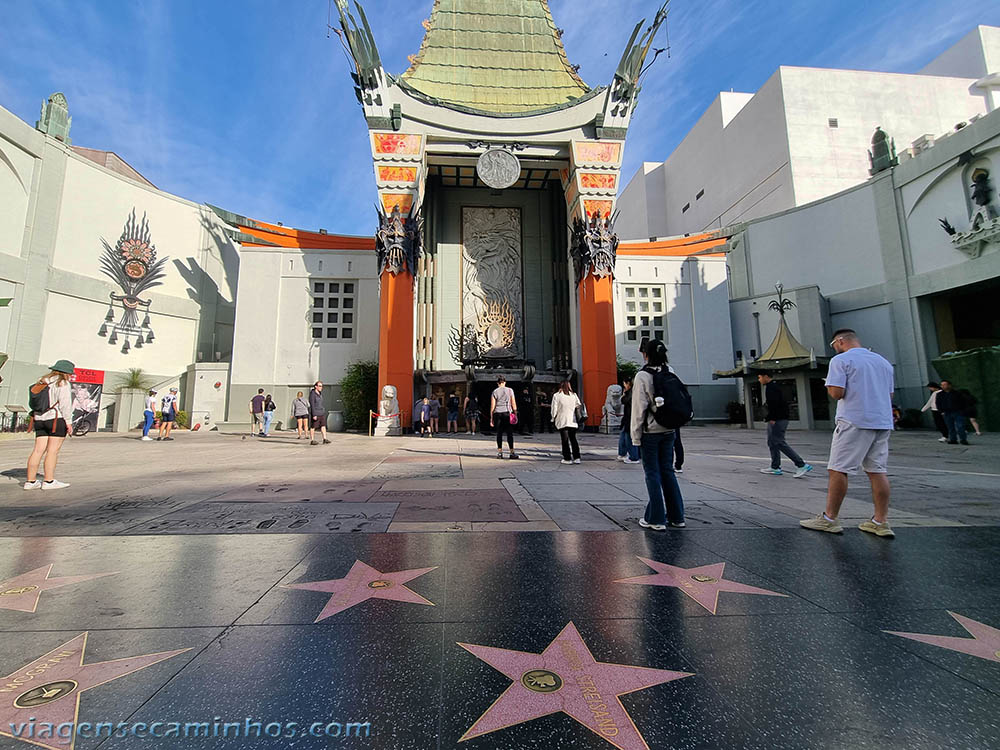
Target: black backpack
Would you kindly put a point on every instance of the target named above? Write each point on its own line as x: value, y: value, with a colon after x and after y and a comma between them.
x: 677, y: 408
x: 39, y: 400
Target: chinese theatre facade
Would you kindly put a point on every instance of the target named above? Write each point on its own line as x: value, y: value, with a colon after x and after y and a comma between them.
x: 497, y: 169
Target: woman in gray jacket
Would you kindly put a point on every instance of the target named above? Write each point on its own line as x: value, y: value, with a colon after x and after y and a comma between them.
x: 656, y: 446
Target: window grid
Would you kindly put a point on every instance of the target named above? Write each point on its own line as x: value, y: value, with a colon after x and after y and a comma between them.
x: 645, y: 316
x: 332, y: 312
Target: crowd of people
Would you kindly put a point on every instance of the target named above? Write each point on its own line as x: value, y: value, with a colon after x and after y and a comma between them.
x: 308, y: 414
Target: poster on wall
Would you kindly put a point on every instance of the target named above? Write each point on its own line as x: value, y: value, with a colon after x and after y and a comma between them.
x: 87, y: 385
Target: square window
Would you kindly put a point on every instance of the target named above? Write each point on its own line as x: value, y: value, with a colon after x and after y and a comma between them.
x: 629, y: 291
x: 659, y: 335
x: 686, y: 207
x: 348, y: 288
x: 630, y: 335
x: 657, y: 292
x: 334, y: 302
x: 645, y: 334
x: 317, y: 333
x: 331, y: 333
x: 317, y: 317
x: 630, y: 306
x: 334, y: 287
x: 348, y: 317
x: 332, y: 317
x: 643, y: 307
x: 631, y: 320
x: 317, y: 301
x: 657, y: 307
x: 643, y: 292
x: 832, y: 122
x: 658, y: 321
x: 645, y: 320
x: 348, y: 303
x: 347, y: 333
x: 318, y: 287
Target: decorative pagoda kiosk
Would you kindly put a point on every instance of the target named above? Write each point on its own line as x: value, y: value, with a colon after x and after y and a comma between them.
x: 796, y: 369
x: 497, y: 169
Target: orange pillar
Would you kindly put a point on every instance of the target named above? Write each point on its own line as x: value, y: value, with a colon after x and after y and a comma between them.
x: 597, y: 342
x: 395, y: 339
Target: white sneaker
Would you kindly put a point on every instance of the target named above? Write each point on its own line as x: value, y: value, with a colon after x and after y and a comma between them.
x: 628, y: 460
x: 653, y: 526
x: 620, y: 458
x: 55, y: 484
x: 36, y: 485
x: 802, y: 470
x: 564, y: 461
x: 942, y: 440
x: 146, y: 437
x: 576, y: 460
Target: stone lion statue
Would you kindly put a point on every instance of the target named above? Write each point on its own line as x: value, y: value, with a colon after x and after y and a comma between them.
x: 613, y: 402
x: 389, y: 404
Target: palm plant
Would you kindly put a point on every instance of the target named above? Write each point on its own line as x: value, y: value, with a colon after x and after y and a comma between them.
x: 134, y: 379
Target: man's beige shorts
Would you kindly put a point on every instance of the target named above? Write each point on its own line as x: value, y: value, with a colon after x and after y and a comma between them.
x: 855, y: 448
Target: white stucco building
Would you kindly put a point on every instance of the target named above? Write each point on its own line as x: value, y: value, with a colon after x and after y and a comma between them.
x: 802, y: 137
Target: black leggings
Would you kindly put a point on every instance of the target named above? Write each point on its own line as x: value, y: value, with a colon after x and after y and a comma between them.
x: 501, y: 421
x: 570, y: 448
x: 678, y: 449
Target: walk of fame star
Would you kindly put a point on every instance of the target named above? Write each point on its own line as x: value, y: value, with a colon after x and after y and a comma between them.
x: 702, y: 584
x: 47, y: 691
x: 566, y: 677
x: 361, y: 583
x: 22, y: 592
x: 984, y: 643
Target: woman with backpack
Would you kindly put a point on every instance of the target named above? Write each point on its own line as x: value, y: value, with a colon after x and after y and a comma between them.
x: 564, y: 416
x: 51, y: 404
x: 269, y: 408
x: 655, y: 440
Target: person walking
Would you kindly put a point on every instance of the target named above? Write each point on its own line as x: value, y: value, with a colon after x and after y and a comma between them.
x: 564, y: 406
x: 471, y: 414
x: 627, y: 453
x: 970, y: 411
x: 503, y: 407
x: 777, y: 422
x: 435, y: 406
x: 148, y: 414
x: 452, y: 406
x: 425, y: 417
x: 861, y: 382
x: 317, y: 414
x: 952, y: 407
x: 656, y: 444
x: 269, y: 407
x: 932, y: 404
x: 300, y: 411
x: 526, y: 416
x: 51, y: 405
x: 168, y: 414
x: 257, y: 414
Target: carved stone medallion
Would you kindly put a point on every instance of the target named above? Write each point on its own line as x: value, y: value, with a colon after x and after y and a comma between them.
x: 498, y: 168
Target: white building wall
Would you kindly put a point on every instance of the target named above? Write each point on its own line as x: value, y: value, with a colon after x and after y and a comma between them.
x: 17, y: 176
x: 973, y: 56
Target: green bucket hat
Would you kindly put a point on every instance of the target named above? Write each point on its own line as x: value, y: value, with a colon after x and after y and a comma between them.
x: 63, y: 366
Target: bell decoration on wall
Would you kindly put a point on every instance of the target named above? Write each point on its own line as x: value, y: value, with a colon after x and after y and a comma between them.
x: 133, y: 266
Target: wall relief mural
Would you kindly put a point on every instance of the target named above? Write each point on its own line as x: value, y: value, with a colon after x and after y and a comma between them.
x: 492, y: 289
x: 133, y: 266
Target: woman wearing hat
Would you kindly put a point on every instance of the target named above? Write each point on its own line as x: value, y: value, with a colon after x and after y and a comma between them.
x: 168, y: 414
x: 51, y: 426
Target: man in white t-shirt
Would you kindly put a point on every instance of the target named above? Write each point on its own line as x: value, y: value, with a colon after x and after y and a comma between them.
x: 861, y: 382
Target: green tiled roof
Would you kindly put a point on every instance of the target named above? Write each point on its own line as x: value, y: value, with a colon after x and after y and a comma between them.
x: 496, y: 56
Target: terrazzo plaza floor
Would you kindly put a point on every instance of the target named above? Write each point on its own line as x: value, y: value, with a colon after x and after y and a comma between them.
x: 420, y: 594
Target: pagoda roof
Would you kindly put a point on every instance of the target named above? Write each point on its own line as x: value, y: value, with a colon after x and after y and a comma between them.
x: 784, y: 346
x: 253, y: 233
x: 495, y: 57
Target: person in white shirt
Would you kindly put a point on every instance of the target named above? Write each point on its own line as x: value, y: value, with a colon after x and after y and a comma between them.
x: 862, y: 383
x: 564, y: 406
x: 931, y: 404
x: 168, y: 414
x: 52, y: 425
x: 148, y: 414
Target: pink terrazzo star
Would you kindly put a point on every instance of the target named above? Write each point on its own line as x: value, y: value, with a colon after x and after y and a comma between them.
x: 984, y: 643
x: 22, y: 592
x: 48, y: 690
x: 566, y: 677
x: 702, y: 584
x: 361, y: 583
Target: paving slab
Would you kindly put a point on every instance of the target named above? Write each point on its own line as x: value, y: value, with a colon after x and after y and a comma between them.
x: 696, y: 515
x: 586, y: 492
x: 452, y: 505
x: 388, y: 472
x: 271, y: 518
x: 302, y: 492
x: 579, y: 517
x: 93, y: 518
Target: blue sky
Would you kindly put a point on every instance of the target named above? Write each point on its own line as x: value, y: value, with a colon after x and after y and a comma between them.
x: 249, y: 105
